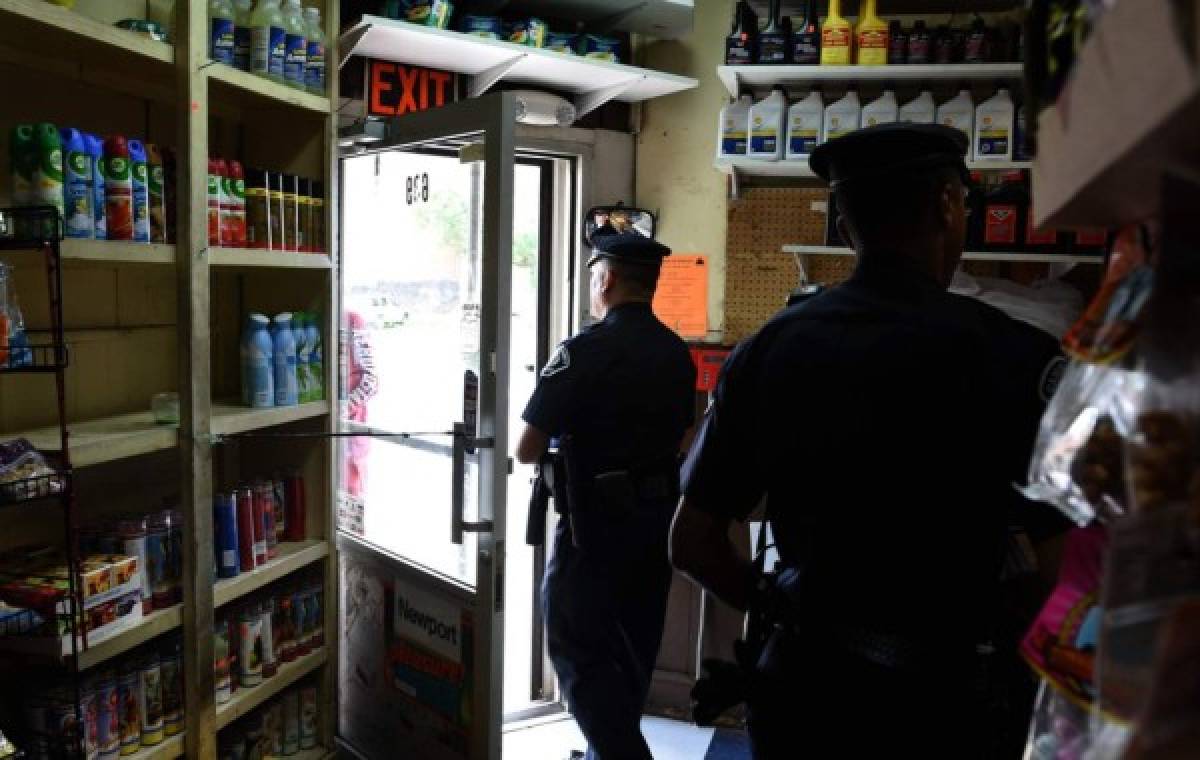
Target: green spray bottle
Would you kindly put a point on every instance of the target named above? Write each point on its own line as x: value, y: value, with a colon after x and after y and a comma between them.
x: 22, y: 153
x: 48, y: 177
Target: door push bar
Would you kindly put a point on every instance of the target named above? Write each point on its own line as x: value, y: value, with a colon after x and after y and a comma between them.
x: 458, y: 473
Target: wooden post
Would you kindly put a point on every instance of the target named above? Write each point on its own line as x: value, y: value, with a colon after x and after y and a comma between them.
x: 195, y: 403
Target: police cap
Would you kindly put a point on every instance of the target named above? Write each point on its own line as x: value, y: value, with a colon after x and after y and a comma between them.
x: 874, y: 153
x: 628, y: 246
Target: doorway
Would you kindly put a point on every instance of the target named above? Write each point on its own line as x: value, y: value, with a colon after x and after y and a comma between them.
x: 406, y: 277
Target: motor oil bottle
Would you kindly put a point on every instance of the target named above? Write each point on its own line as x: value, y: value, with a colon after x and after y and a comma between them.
x: 215, y: 171
x: 977, y: 48
x: 732, y: 137
x: 141, y: 191
x: 156, y: 183
x: 806, y: 38
x: 993, y: 139
x: 918, y: 43
x: 77, y: 185
x: 871, y: 37
x: 295, y: 45
x: 774, y: 42
x: 221, y: 28
x: 741, y: 46
x: 842, y: 117
x: 314, y: 65
x: 268, y: 41
x: 897, y: 44
x: 882, y: 110
x: 944, y: 50
x: 919, y: 110
x: 767, y: 119
x: 1004, y: 214
x: 959, y: 112
x: 243, y: 33
x: 805, y: 121
x: 48, y: 176
x: 118, y: 189
x: 237, y: 194
x: 837, y: 37
x: 95, y: 151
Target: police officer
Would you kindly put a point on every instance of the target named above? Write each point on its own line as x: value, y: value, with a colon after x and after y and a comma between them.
x: 884, y: 422
x: 620, y: 396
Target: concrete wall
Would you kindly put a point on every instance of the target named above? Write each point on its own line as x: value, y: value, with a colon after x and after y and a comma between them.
x: 676, y: 145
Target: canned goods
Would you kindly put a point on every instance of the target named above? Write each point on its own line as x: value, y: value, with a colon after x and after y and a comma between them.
x: 266, y: 494
x: 296, y: 507
x: 260, y: 526
x: 172, y: 689
x: 128, y: 687
x: 300, y: 624
x: 245, y: 527
x: 150, y: 701
x: 273, y: 728
x: 108, y: 719
x: 88, y: 711
x: 225, y: 535
x: 279, y: 499
x: 250, y: 672
x: 133, y: 535
x: 157, y: 566
x: 270, y: 665
x: 291, y: 722
x: 286, y: 632
x: 222, y: 662
x: 308, y: 717
x: 316, y: 616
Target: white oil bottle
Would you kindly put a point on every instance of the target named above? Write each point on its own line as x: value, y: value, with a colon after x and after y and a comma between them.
x: 806, y: 120
x: 882, y: 110
x: 919, y: 110
x: 959, y: 112
x: 731, y: 129
x: 767, y: 118
x: 994, y: 128
x: 842, y: 117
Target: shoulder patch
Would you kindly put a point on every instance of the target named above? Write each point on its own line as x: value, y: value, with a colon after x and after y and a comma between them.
x: 560, y: 362
x: 1052, y: 375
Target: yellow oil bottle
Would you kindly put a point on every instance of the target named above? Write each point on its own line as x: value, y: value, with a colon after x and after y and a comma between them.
x: 871, y: 36
x: 837, y: 38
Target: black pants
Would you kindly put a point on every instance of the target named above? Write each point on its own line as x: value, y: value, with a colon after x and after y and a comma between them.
x: 604, y: 612
x: 841, y: 706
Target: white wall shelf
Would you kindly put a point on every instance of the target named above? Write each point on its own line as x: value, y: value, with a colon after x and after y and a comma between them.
x: 1016, y: 256
x: 487, y: 62
x: 737, y: 78
x: 751, y: 167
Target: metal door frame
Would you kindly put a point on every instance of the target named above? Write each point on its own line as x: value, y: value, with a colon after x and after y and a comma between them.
x: 493, y: 117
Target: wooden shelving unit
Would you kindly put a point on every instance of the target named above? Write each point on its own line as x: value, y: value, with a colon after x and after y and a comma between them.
x: 160, y: 317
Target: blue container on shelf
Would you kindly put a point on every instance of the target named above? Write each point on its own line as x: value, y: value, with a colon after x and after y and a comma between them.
x: 225, y: 535
x: 600, y: 48
x: 258, y: 376
x: 488, y: 27
x: 287, y: 388
x: 561, y: 42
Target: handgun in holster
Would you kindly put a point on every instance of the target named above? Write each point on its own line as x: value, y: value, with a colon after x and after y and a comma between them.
x: 539, y: 500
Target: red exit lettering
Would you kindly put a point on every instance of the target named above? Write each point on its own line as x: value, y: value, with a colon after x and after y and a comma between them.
x: 395, y: 89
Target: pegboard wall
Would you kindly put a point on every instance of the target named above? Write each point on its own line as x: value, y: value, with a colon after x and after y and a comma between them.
x: 758, y: 275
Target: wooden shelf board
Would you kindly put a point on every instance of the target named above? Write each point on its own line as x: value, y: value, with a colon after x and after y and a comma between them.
x: 228, y: 418
x: 292, y: 556
x: 106, y: 439
x: 761, y: 77
x: 152, y: 625
x: 245, y: 700
x: 68, y: 33
x: 254, y: 90
x: 1037, y: 258
x: 253, y: 257
x: 793, y: 168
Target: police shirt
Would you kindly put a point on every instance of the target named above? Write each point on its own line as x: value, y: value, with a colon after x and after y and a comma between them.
x: 623, y: 388
x: 884, y: 422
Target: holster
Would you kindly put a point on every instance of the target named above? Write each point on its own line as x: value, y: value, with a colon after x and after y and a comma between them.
x: 539, y: 502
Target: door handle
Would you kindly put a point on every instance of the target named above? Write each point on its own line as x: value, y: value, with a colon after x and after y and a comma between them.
x: 458, y: 474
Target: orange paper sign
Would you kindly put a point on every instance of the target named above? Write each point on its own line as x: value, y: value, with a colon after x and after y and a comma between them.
x: 681, y: 301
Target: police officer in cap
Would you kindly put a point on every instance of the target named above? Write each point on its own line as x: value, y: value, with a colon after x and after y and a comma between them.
x: 882, y: 424
x: 619, y: 396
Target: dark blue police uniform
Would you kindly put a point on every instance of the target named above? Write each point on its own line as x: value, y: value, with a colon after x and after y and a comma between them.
x: 884, y: 422
x: 623, y: 390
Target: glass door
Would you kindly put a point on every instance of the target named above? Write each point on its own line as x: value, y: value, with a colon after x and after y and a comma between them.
x: 426, y: 297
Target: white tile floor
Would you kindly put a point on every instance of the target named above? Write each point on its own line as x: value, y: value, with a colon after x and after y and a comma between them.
x: 668, y: 739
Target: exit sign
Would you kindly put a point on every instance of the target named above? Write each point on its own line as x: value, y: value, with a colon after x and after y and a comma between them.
x: 396, y: 89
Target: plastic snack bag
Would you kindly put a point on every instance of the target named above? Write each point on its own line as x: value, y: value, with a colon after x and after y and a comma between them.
x: 24, y: 472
